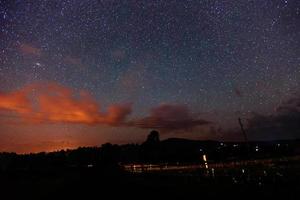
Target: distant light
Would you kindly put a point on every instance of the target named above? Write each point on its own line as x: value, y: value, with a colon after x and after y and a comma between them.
x: 90, y: 165
x: 221, y: 143
x: 235, y: 145
x: 234, y: 180
x: 205, y: 161
x: 243, y: 171
x: 279, y: 174
x: 206, y: 165
x: 204, y: 158
x: 201, y: 150
x: 259, y: 183
x: 278, y: 145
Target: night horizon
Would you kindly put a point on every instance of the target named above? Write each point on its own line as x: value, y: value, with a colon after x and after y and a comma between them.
x: 76, y: 73
x: 149, y: 99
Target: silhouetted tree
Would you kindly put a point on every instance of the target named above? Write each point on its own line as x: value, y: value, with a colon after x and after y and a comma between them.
x: 153, y: 137
x: 150, y: 148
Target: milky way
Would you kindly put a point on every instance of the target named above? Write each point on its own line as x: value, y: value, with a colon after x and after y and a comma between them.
x: 212, y: 61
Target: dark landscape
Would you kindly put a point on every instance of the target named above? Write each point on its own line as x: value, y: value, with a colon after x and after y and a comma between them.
x: 173, y: 168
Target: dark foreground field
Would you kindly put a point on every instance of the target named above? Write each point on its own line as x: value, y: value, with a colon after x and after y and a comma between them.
x: 280, y: 181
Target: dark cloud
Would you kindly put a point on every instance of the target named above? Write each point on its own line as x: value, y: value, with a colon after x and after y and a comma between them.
x: 118, y: 54
x: 284, y: 123
x: 73, y: 61
x: 28, y: 49
x: 169, y: 117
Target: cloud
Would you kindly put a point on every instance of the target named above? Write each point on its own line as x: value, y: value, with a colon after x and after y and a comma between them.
x: 134, y: 78
x: 54, y: 103
x: 17, y: 101
x: 28, y: 49
x: 170, y: 117
x: 73, y: 61
x: 291, y: 105
x: 51, y: 102
x: 284, y: 123
x: 118, y: 54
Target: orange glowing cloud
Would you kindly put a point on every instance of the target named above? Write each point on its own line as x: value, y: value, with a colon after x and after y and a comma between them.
x: 16, y: 101
x: 51, y: 102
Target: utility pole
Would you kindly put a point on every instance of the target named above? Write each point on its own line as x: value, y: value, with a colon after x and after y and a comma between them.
x: 243, y: 130
x: 245, y: 135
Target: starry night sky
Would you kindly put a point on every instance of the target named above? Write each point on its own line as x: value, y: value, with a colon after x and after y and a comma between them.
x: 82, y: 73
